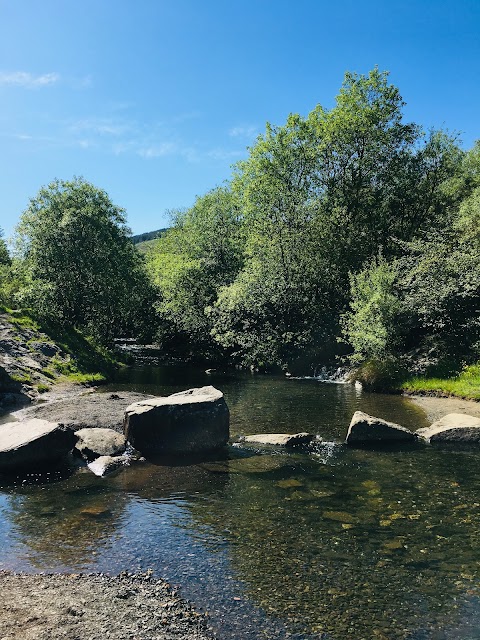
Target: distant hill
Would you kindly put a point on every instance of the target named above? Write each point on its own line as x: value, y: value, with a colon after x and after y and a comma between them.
x: 148, y: 235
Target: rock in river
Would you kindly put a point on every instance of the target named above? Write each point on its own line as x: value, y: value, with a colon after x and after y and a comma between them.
x: 193, y: 421
x: 280, y: 439
x: 93, y: 443
x: 104, y: 465
x: 368, y: 430
x: 33, y: 444
x: 454, y: 428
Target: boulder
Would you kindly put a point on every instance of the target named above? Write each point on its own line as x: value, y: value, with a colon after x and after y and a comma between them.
x: 104, y: 465
x: 368, y: 430
x: 33, y: 444
x: 93, y: 443
x: 454, y: 428
x: 193, y: 421
x: 280, y: 439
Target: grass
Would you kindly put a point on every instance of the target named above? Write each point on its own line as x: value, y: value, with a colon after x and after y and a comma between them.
x: 86, y: 362
x: 466, y: 385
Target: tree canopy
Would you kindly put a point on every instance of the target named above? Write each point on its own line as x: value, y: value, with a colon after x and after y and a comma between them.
x: 79, y: 266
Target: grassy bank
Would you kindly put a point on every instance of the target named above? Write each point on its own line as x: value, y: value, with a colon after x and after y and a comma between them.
x: 42, y: 355
x: 466, y: 385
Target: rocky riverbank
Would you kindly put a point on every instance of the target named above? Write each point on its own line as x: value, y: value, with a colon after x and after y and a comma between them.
x: 95, y: 607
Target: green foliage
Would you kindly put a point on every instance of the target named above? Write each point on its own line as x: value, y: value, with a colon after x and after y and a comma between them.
x: 372, y: 324
x: 199, y: 254
x: 79, y: 267
x: 384, y: 375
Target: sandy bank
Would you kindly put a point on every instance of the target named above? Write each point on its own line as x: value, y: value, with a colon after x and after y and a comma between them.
x: 436, y: 408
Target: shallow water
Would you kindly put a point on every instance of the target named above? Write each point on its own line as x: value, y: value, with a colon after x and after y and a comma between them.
x: 331, y: 543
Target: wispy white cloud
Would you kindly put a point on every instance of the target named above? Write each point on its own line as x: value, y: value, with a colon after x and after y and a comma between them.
x: 247, y: 132
x: 28, y: 80
x: 158, y: 150
x: 101, y: 126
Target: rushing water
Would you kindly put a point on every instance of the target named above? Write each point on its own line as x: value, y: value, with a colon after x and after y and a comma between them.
x: 331, y: 543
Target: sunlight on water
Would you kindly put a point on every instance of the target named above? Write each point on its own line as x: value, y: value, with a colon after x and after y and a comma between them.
x: 328, y: 542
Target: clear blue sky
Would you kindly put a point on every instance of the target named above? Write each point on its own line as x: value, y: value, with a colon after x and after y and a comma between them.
x: 153, y: 100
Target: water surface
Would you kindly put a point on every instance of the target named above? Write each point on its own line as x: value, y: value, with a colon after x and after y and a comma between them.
x: 330, y: 543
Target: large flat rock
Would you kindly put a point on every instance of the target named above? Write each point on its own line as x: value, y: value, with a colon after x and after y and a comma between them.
x: 453, y: 428
x: 193, y: 421
x: 33, y: 444
x: 101, y: 410
x: 369, y: 430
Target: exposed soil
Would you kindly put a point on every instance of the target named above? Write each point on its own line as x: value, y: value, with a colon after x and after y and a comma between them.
x: 96, y: 607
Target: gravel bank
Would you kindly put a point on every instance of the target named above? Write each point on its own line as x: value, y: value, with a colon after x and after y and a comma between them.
x: 95, y: 607
x: 437, y: 407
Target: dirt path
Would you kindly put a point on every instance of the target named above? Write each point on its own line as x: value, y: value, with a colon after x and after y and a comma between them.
x: 436, y: 408
x: 95, y: 607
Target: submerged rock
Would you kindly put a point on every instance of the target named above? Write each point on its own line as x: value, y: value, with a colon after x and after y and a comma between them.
x: 453, y: 428
x: 33, y: 444
x: 193, y: 421
x: 280, y: 439
x: 365, y: 429
x: 93, y: 443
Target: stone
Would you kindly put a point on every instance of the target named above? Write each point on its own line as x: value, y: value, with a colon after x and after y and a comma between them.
x: 453, y: 428
x: 193, y: 421
x: 105, y: 465
x: 33, y: 443
x: 368, y: 430
x: 93, y: 443
x: 280, y: 439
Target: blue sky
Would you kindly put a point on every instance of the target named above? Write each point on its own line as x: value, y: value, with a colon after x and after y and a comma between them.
x: 154, y: 100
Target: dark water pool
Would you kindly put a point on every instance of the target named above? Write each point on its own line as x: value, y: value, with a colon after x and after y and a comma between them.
x: 333, y: 543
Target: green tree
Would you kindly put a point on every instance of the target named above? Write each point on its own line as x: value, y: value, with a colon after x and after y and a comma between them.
x: 80, y: 267
x: 202, y: 252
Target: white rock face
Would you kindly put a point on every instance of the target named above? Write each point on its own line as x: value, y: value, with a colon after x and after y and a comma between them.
x: 33, y: 444
x: 104, y: 465
x: 454, y: 427
x: 193, y: 421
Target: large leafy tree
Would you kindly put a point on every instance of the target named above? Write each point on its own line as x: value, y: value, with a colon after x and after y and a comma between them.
x: 201, y: 252
x: 80, y: 267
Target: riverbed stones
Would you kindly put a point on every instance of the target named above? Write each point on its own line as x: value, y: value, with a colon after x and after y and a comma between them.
x: 193, y: 421
x: 453, y: 428
x: 280, y: 439
x: 365, y: 430
x: 33, y: 444
x: 93, y: 443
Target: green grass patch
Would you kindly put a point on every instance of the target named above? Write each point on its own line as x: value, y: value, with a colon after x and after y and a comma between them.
x: 466, y: 385
x: 42, y: 388
x: 86, y: 378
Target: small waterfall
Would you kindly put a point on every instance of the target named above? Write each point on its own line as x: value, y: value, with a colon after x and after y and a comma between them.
x: 329, y: 375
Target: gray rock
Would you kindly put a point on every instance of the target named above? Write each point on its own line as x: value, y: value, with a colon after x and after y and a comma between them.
x: 454, y: 428
x: 365, y: 430
x: 33, y: 444
x: 96, y: 442
x: 105, y: 465
x: 193, y: 421
x: 280, y: 439
x: 86, y: 411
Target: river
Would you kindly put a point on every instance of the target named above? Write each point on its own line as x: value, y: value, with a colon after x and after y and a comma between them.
x: 327, y: 543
